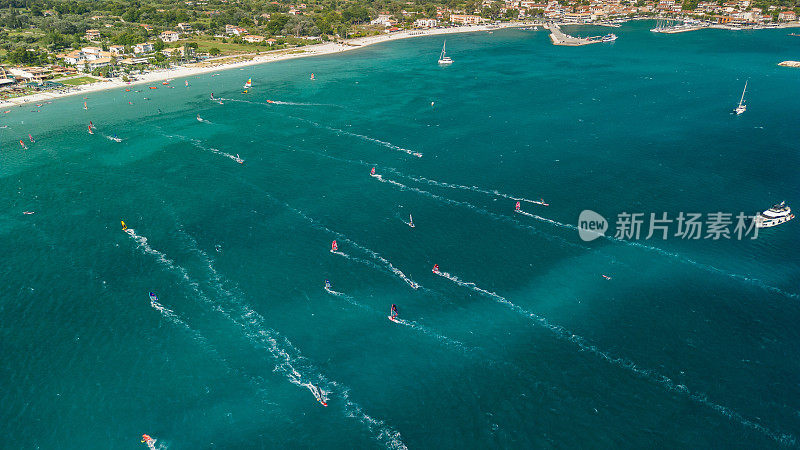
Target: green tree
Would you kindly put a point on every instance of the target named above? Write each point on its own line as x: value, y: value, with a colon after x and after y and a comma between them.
x: 355, y: 14
x: 214, y: 51
x: 689, y: 5
x: 276, y: 23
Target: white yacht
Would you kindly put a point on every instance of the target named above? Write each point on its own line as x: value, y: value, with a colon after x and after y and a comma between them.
x: 443, y: 58
x: 609, y: 37
x: 742, y: 107
x: 776, y: 215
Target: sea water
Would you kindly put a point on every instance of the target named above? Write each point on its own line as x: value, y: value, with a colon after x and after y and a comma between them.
x: 519, y: 341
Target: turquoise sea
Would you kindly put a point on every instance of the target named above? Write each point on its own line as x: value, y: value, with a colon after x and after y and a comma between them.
x: 520, y: 342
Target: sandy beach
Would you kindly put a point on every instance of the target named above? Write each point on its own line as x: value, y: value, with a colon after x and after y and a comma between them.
x: 261, y: 58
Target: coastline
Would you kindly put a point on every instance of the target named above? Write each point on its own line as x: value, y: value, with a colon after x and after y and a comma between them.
x: 327, y: 48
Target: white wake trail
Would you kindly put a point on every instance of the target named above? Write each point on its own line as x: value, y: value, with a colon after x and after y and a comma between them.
x: 680, y: 258
x: 472, y: 207
x: 450, y: 342
x: 566, y: 335
x: 253, y: 326
x: 297, y: 368
x: 173, y: 318
x: 347, y: 298
x: 376, y: 256
x: 197, y: 143
x: 388, y: 145
x: 491, y: 192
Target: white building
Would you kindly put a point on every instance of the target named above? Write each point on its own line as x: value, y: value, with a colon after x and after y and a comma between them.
x: 253, y: 38
x: 94, y: 64
x: 426, y: 23
x: 383, y: 19
x: 169, y: 36
x: 146, y: 47
x: 232, y: 29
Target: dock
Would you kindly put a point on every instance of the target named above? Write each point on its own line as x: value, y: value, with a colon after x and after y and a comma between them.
x: 560, y: 38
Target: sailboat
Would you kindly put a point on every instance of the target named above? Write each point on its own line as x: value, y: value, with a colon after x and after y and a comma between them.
x: 249, y: 83
x: 742, y: 107
x: 443, y: 58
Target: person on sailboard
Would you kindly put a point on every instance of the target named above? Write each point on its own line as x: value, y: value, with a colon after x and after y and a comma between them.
x: 212, y: 96
x: 23, y: 144
x: 394, y: 312
x: 516, y: 208
x: 334, y: 246
x: 435, y: 268
x: 146, y: 439
x: 124, y: 227
x: 327, y: 284
x: 372, y: 172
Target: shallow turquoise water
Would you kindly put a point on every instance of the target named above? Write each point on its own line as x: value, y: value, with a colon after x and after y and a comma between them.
x: 691, y: 343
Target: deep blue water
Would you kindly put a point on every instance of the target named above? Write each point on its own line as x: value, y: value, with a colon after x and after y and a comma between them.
x: 691, y: 343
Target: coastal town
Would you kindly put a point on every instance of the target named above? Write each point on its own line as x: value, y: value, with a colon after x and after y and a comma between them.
x: 65, y: 46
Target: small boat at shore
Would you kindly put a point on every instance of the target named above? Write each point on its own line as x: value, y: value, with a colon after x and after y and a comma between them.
x: 778, y: 214
x: 742, y: 107
x: 609, y: 37
x: 444, y: 60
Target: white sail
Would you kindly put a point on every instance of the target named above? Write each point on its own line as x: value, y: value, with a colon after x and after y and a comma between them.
x: 443, y: 58
x: 741, y: 101
x: 742, y: 107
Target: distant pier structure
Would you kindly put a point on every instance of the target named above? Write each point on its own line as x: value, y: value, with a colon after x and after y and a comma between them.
x: 560, y: 38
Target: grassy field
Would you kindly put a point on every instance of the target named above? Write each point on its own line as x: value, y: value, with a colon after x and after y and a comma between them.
x: 228, y: 48
x: 78, y: 81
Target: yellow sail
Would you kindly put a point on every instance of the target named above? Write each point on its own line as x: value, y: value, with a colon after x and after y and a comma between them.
x: 124, y: 227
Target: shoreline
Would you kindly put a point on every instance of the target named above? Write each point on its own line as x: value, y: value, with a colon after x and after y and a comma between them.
x: 327, y: 48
